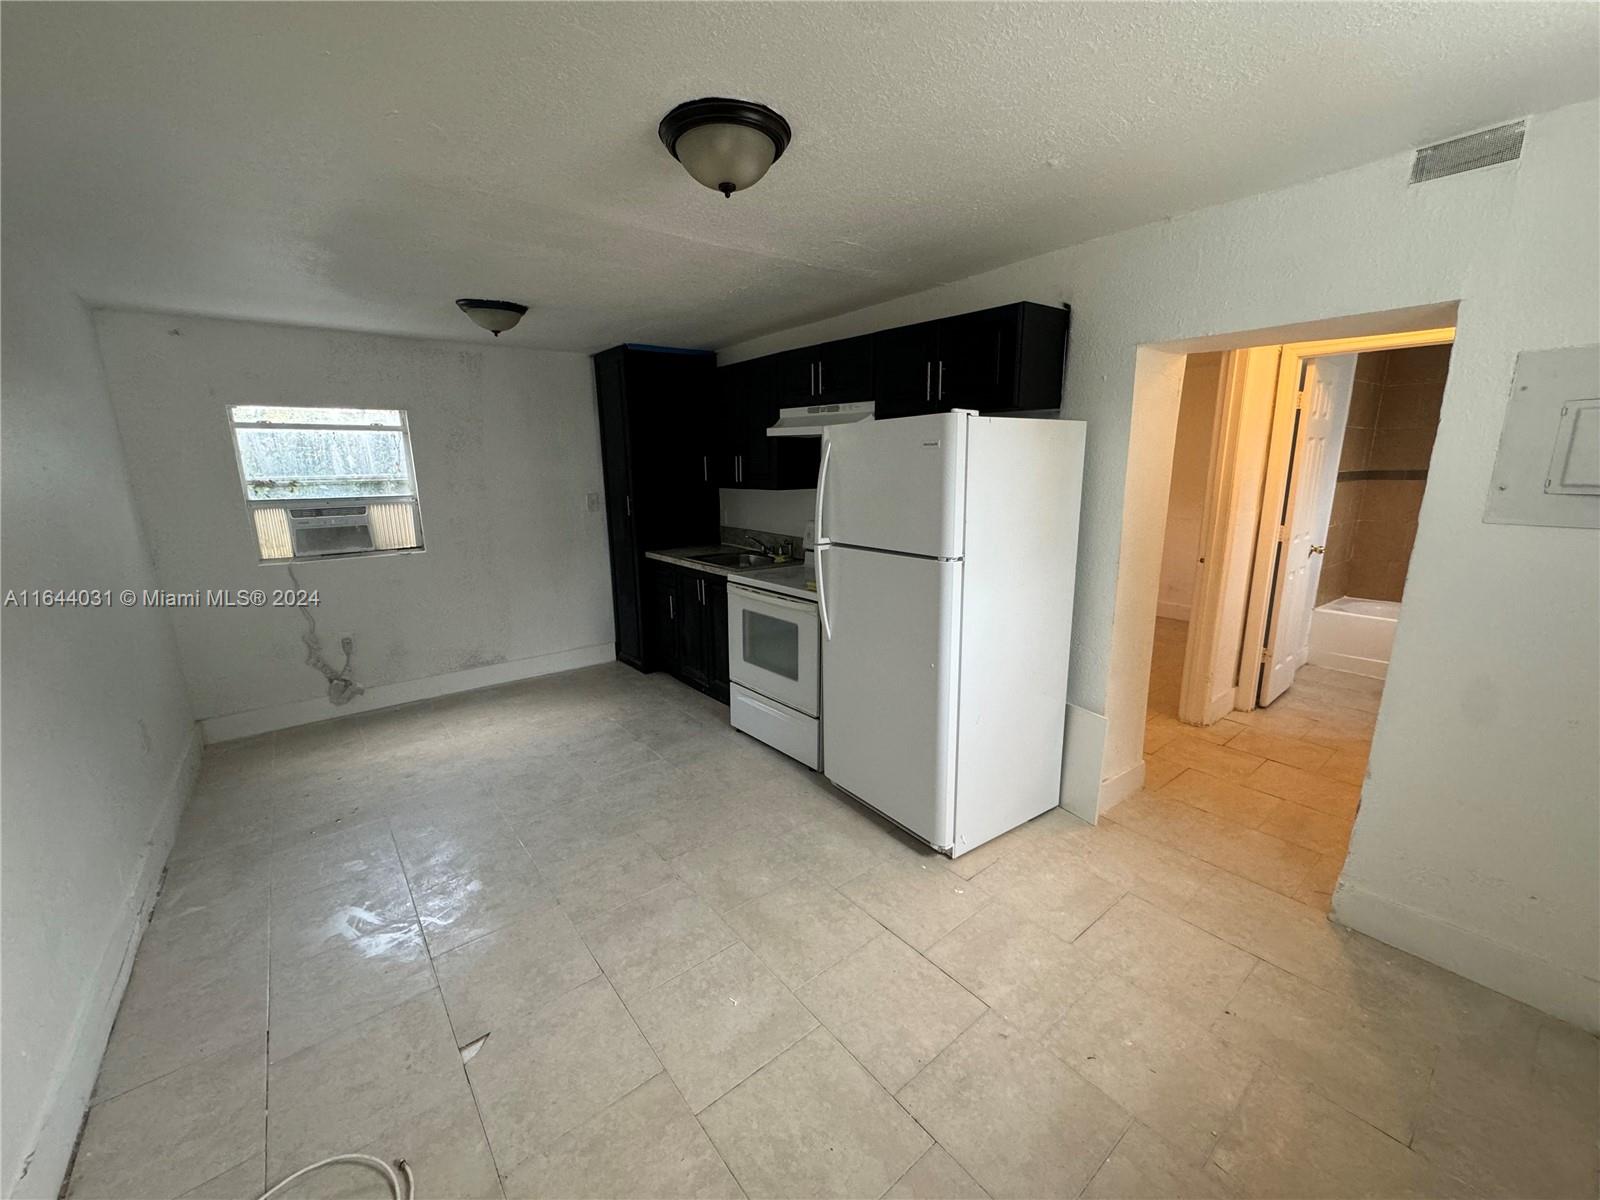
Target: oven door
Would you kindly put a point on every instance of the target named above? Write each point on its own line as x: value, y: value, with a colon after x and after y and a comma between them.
x: 773, y: 647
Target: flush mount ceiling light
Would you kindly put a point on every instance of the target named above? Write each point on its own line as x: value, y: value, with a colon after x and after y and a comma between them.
x: 725, y: 144
x: 496, y: 316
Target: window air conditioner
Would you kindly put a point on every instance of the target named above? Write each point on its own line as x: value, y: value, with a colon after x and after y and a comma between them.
x: 333, y: 529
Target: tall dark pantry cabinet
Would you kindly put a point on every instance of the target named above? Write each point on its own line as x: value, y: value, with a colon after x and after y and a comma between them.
x: 656, y: 407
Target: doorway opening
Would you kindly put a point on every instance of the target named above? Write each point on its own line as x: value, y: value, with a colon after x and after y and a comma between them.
x: 1298, y: 472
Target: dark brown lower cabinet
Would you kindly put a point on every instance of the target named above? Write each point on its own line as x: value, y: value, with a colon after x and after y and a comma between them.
x: 689, y: 626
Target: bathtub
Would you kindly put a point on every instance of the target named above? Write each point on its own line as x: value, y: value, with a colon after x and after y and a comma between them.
x: 1351, y: 634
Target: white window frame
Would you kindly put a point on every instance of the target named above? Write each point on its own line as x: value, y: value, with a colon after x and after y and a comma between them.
x: 412, y: 498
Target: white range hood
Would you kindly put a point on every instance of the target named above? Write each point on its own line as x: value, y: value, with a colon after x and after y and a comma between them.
x: 811, y: 420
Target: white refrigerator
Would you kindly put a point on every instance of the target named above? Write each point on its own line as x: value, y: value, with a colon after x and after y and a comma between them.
x: 946, y: 552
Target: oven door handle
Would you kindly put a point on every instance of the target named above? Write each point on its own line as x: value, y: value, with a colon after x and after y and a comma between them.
x: 754, y: 598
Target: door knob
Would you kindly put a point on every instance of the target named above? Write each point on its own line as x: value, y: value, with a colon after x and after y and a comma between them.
x: 1318, y: 549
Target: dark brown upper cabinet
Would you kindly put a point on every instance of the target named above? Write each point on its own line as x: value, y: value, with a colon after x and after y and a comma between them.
x: 1007, y: 359
x: 832, y: 373
x: 749, y: 397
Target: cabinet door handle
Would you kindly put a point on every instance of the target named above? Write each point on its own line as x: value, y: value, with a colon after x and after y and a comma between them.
x: 941, y: 379
x: 738, y: 468
x: 672, y: 609
x: 927, y: 381
x: 819, y: 377
x: 811, y: 378
x: 705, y: 467
x: 628, y: 501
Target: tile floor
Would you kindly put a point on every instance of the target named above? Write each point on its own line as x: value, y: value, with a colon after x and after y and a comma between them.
x: 1269, y: 795
x: 578, y: 938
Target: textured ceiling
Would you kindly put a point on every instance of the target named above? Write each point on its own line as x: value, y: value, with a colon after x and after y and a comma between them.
x: 360, y: 165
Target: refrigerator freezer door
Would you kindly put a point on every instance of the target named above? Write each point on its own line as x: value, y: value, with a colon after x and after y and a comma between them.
x: 889, y: 666
x: 895, y: 485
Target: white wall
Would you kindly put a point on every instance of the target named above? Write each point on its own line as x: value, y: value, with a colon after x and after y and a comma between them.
x: 514, y: 581
x: 776, y: 512
x: 99, y: 745
x: 1186, y: 497
x: 1476, y: 840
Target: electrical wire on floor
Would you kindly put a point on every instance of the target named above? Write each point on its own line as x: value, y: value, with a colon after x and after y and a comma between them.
x: 402, y: 1183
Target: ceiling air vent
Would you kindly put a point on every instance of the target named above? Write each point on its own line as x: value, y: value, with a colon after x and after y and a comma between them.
x: 1483, y: 149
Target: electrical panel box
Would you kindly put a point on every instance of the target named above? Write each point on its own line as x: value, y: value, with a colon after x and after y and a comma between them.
x: 1547, y: 471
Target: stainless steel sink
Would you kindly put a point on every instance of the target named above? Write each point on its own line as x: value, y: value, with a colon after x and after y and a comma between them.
x: 734, y: 558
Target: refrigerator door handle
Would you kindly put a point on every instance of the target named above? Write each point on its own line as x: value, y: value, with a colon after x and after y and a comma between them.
x: 817, y: 536
x: 822, y: 592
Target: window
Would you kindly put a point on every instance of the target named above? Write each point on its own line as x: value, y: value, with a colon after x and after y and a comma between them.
x: 323, y: 482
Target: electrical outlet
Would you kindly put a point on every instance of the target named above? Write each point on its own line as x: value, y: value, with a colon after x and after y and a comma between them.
x: 592, y: 501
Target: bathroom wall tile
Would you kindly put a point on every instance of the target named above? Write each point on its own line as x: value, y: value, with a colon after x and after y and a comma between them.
x: 1391, y: 500
x: 1386, y: 540
x: 1410, y: 406
x: 1333, y: 582
x: 1364, y: 401
x: 1418, y: 364
x: 1400, y: 450
x: 1347, y: 501
x: 1354, y: 452
x: 1377, y: 580
x: 1339, y: 544
x: 1370, y: 367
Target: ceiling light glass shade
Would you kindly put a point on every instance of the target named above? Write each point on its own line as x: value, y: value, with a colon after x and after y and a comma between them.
x: 727, y: 145
x: 496, y: 316
x: 726, y: 158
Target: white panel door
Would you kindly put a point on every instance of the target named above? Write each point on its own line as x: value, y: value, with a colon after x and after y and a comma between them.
x: 895, y: 485
x: 1324, y: 407
x: 888, y: 683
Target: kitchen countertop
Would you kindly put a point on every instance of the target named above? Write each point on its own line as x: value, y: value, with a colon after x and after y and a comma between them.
x: 678, y: 556
x: 797, y: 579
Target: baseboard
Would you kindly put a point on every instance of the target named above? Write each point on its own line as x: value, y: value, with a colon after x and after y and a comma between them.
x: 230, y: 726
x: 1173, y: 611
x: 1119, y: 787
x: 1545, y: 985
x: 45, y: 1166
x: 1372, y: 668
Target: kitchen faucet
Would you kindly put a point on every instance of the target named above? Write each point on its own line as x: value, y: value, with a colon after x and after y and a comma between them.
x: 777, y: 550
